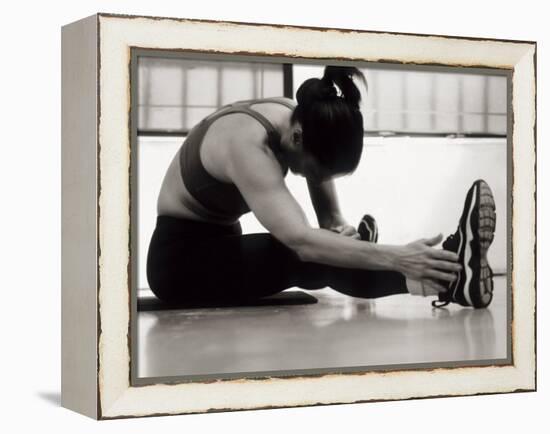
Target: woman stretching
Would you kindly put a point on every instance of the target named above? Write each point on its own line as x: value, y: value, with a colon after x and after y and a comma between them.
x: 235, y: 161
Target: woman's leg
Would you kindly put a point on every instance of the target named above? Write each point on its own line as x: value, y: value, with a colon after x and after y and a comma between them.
x: 365, y: 283
x: 228, y: 266
x: 192, y: 261
x: 257, y: 265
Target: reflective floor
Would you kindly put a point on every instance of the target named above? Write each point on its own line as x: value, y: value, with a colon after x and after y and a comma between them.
x: 338, y: 331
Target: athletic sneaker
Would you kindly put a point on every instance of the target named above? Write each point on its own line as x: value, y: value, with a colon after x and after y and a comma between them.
x: 475, y: 233
x: 368, y: 229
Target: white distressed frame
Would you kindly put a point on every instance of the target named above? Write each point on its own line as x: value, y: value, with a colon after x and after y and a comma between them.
x: 114, y: 396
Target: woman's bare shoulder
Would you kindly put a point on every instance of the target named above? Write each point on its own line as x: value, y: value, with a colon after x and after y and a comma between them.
x: 250, y: 146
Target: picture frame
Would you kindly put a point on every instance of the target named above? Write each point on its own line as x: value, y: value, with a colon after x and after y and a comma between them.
x: 97, y: 237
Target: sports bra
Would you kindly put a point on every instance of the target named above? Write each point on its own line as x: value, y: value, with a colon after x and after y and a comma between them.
x: 221, y: 201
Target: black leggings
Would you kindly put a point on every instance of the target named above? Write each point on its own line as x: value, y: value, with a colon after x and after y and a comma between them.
x: 191, y: 261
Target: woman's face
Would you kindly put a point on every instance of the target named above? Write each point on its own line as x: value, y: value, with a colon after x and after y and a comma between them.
x: 304, y: 164
x: 301, y: 162
x: 307, y: 166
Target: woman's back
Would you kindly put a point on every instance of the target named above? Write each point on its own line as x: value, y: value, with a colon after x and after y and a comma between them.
x: 196, y: 184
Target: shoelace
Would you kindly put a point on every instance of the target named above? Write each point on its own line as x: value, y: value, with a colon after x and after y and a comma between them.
x: 491, y: 288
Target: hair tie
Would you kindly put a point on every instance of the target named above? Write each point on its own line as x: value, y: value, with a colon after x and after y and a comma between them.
x: 328, y: 92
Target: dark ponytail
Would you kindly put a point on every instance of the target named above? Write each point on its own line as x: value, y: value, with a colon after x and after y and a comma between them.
x: 343, y: 78
x: 332, y: 124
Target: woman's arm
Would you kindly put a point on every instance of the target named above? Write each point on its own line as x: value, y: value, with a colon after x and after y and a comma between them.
x: 325, y: 203
x: 257, y: 175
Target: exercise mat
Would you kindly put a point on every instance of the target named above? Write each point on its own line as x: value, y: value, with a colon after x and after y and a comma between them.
x: 285, y: 298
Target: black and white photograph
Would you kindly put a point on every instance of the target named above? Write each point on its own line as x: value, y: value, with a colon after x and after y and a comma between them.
x: 275, y: 217
x: 297, y: 217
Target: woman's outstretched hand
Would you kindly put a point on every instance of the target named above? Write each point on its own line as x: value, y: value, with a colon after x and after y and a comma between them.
x: 420, y: 260
x: 347, y: 230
